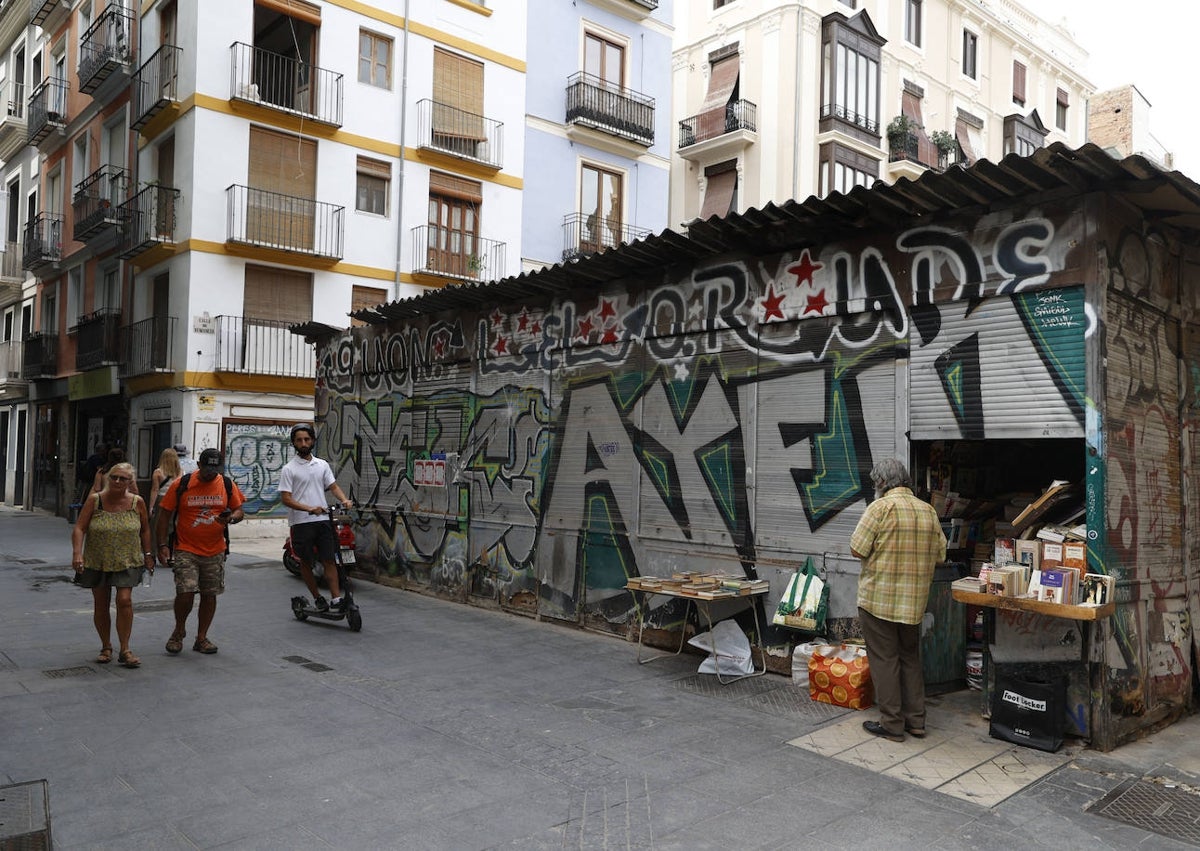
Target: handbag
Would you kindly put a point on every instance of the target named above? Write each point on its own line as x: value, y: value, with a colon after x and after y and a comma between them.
x: 1029, y: 711
x: 839, y: 674
x: 805, y: 601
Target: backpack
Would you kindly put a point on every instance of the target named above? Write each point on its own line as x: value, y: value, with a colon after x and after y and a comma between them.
x: 184, y: 481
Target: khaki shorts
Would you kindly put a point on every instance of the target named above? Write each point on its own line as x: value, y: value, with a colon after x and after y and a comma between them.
x: 91, y: 578
x: 193, y: 573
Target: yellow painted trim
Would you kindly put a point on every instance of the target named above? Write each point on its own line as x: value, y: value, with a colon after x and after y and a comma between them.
x: 473, y: 7
x: 204, y: 246
x: 249, y: 383
x: 454, y: 164
x: 155, y: 381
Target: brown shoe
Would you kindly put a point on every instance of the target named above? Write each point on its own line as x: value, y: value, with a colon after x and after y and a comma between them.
x: 175, y: 643
x: 203, y: 645
x: 915, y: 732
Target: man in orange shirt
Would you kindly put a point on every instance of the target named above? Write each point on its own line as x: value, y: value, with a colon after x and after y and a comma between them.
x: 202, y: 504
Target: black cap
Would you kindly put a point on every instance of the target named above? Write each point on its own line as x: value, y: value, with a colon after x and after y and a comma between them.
x: 210, y: 458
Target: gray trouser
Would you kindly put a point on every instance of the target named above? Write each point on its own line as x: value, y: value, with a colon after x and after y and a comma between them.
x: 894, y: 654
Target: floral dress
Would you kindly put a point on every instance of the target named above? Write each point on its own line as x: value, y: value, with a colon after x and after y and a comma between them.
x: 114, y: 539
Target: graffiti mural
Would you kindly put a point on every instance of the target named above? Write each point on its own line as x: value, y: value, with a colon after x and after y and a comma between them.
x: 255, y: 453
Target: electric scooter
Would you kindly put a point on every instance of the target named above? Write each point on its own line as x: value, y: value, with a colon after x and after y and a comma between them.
x: 302, y: 607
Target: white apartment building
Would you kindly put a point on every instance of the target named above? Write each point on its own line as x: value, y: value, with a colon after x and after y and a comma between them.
x: 779, y: 99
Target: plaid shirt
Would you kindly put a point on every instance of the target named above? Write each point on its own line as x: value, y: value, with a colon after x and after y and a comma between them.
x: 899, y: 540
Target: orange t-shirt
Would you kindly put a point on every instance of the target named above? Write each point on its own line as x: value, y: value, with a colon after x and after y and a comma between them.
x: 197, y: 529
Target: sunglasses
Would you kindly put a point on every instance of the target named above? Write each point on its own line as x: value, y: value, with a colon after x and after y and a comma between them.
x: 120, y: 479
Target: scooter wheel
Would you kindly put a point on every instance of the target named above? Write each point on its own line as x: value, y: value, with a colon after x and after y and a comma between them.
x: 300, y: 616
x: 354, y: 619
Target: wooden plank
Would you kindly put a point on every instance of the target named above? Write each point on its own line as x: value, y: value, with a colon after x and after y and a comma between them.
x: 1041, y: 607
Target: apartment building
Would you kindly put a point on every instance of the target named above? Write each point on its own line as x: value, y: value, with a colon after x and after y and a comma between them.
x: 779, y: 99
x: 597, y: 132
x: 206, y: 176
x: 1119, y: 122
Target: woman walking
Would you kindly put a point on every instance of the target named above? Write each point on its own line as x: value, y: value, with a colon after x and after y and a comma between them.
x: 117, y: 549
x: 167, y: 471
x: 116, y: 455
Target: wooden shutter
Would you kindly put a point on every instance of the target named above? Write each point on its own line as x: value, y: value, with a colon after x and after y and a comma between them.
x: 1018, y: 82
x: 281, y: 162
x: 374, y: 168
x: 365, y: 298
x: 457, y: 95
x: 277, y: 294
x: 301, y: 10
x: 455, y: 187
x: 722, y: 185
x: 1063, y: 98
x: 722, y: 80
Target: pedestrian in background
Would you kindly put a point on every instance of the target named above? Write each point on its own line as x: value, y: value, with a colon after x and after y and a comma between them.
x: 116, y: 455
x: 202, y: 510
x: 110, y: 548
x: 899, y: 540
x: 167, y: 471
x: 186, y: 463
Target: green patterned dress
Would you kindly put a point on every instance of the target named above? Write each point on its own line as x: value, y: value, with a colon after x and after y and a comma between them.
x: 114, y: 539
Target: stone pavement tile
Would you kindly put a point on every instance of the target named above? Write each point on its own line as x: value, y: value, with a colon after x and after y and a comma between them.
x: 776, y: 820
x: 835, y: 738
x: 1004, y: 775
x: 154, y: 837
x: 941, y: 761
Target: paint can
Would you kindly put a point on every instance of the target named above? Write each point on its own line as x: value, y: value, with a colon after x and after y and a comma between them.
x: 975, y: 669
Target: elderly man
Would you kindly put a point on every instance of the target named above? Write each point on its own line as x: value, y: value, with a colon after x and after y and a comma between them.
x: 202, y: 504
x: 899, y: 540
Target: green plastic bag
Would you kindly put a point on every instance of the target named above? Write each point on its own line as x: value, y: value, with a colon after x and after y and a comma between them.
x: 805, y: 601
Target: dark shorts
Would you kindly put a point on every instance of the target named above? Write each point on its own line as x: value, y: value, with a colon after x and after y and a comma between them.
x: 128, y: 578
x: 193, y: 573
x: 319, y: 534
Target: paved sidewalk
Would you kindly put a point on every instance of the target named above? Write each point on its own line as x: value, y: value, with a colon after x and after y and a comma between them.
x: 441, y: 725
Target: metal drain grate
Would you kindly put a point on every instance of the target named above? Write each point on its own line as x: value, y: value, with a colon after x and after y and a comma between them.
x: 296, y: 660
x: 793, y: 702
x: 1153, y: 806
x: 25, y: 816
x: 59, y: 673
x: 316, y: 666
x: 708, y: 685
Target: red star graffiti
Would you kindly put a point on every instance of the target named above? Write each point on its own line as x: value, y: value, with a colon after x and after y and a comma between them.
x: 522, y: 320
x: 771, y: 303
x: 607, y: 311
x: 816, y: 303
x: 585, y: 327
x: 502, y: 346
x: 609, y: 335
x: 497, y: 318
x: 536, y: 328
x: 805, y: 268
x: 439, y: 346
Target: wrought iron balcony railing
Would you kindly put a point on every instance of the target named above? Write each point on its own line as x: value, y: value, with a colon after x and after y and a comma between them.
x: 739, y: 115
x: 97, y: 339
x: 587, y: 233
x: 594, y: 103
x: 11, y: 357
x: 275, y: 220
x: 10, y: 264
x: 263, y: 347
x: 45, y: 13
x: 271, y: 79
x: 910, y: 149
x: 459, y: 133
x: 149, y: 220
x: 866, y: 122
x: 155, y: 85
x: 98, y: 200
x: 40, y: 355
x: 148, y: 346
x: 47, y: 109
x: 442, y: 251
x: 106, y: 46
x: 12, y: 100
x: 42, y: 242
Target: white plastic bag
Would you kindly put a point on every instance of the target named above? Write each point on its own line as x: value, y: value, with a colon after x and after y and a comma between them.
x: 732, y: 650
x: 800, y: 656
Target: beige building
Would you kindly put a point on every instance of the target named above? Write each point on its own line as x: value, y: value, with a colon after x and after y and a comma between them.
x: 779, y: 99
x: 1119, y: 122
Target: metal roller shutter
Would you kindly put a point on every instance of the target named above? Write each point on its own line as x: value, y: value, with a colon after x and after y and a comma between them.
x: 999, y: 368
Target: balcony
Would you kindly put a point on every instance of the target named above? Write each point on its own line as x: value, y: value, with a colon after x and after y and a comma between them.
x: 48, y: 14
x: 97, y: 337
x: 263, y: 347
x: 149, y: 221
x: 40, y: 355
x: 709, y: 138
x: 12, y: 273
x: 148, y: 347
x: 910, y: 155
x: 14, y: 131
x: 454, y: 254
x: 98, y: 201
x: 155, y: 85
x: 584, y: 234
x: 43, y: 243
x: 461, y: 134
x: 601, y: 106
x: 837, y: 117
x: 47, y: 110
x: 12, y: 382
x: 275, y: 81
x: 284, y: 222
x: 105, y: 53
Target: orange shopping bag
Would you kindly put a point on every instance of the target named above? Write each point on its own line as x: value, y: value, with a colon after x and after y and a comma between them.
x: 839, y: 674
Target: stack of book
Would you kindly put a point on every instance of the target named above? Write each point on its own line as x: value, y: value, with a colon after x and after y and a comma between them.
x: 703, y: 586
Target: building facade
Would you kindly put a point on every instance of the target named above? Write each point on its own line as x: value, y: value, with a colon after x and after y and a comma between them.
x: 1119, y: 121
x: 776, y: 100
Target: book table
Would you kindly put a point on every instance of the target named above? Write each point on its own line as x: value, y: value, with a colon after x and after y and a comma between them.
x: 703, y: 602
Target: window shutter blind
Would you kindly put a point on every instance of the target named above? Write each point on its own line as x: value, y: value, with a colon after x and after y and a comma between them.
x: 298, y: 9
x: 457, y: 95
x: 374, y: 168
x: 1018, y: 82
x: 456, y: 187
x: 280, y: 162
x: 277, y: 294
x: 722, y: 80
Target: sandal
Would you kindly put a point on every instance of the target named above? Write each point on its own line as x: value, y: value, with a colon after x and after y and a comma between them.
x: 203, y: 645
x: 105, y: 655
x: 128, y: 660
x: 175, y: 642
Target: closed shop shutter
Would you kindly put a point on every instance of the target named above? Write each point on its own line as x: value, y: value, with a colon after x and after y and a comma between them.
x: 1005, y: 367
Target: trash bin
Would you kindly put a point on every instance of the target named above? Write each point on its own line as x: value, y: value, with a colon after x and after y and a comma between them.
x: 73, y: 512
x: 944, y: 633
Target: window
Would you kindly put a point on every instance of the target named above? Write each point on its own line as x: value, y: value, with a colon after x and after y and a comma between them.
x: 364, y: 298
x: 457, y: 104
x: 842, y: 168
x: 717, y: 4
x: 724, y: 71
x: 1060, y: 109
x: 604, y: 60
x: 74, y: 296
x: 453, y: 232
x: 1018, y: 83
x: 720, y: 195
x: 50, y: 309
x: 108, y: 294
x: 970, y: 55
x: 850, y: 53
x: 912, y: 22
x: 374, y: 181
x: 374, y: 59
x: 601, y: 203
x: 1023, y: 134
x: 274, y: 297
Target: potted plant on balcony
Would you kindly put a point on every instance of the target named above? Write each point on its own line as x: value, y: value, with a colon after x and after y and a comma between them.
x: 898, y: 131
x: 945, y: 142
